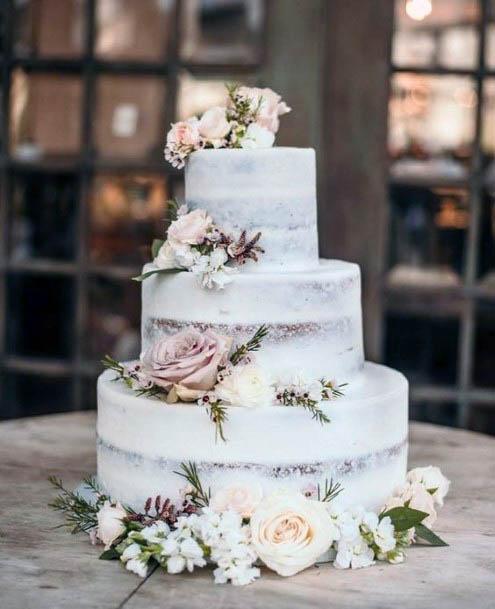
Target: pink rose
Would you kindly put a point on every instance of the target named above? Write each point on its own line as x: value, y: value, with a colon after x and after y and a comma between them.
x: 271, y: 106
x: 189, y: 359
x: 214, y: 125
x: 242, y: 498
x: 184, y: 133
x: 189, y: 228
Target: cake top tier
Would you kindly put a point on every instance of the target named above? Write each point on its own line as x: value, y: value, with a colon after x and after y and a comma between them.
x: 271, y: 191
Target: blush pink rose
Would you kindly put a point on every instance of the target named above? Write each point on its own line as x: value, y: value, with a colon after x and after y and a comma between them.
x: 184, y: 133
x: 213, y: 125
x: 189, y: 228
x: 270, y: 104
x: 189, y: 359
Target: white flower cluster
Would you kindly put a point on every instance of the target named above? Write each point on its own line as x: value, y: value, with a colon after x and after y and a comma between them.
x: 195, y: 244
x: 249, y: 120
x: 299, y: 389
x: 361, y: 537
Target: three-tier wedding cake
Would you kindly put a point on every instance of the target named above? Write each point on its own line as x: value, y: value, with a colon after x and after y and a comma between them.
x: 250, y: 431
x: 310, y: 311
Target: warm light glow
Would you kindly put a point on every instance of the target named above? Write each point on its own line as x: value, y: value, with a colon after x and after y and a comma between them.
x: 418, y: 9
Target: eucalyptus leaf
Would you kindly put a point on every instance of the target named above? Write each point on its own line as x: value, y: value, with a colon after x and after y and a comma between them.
x: 423, y: 532
x: 110, y: 554
x: 156, y: 272
x: 404, y: 518
x: 155, y: 247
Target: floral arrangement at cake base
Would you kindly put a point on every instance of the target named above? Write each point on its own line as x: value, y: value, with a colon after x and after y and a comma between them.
x: 205, y: 367
x: 237, y: 529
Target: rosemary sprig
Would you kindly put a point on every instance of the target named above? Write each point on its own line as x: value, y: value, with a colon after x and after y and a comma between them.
x: 80, y: 514
x: 129, y: 378
x: 218, y: 415
x: 253, y: 344
x: 290, y: 398
x: 198, y: 495
x: 330, y: 390
x: 330, y: 491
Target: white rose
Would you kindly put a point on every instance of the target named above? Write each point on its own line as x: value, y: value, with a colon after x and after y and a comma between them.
x: 214, y: 125
x: 165, y: 259
x: 110, y: 524
x: 184, y: 133
x: 189, y: 228
x: 257, y: 136
x: 433, y: 480
x: 289, y: 532
x: 245, y: 386
x: 240, y: 498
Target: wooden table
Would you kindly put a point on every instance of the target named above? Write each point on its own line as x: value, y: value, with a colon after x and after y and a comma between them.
x: 42, y: 567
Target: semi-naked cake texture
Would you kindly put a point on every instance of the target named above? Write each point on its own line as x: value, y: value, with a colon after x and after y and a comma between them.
x: 312, y: 310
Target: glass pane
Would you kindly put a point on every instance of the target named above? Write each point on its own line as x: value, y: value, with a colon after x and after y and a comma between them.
x: 428, y: 236
x: 196, y: 95
x: 431, y: 126
x: 487, y: 242
x: 40, y: 312
x: 436, y: 33
x: 50, y: 28
x: 43, y: 216
x: 45, y: 115
x: 484, y: 347
x: 132, y: 30
x: 88, y: 401
x: 126, y: 213
x: 423, y: 348
x: 114, y: 319
x: 482, y: 418
x: 439, y: 413
x: 488, y: 129
x: 222, y: 31
x: 29, y: 395
x: 130, y: 117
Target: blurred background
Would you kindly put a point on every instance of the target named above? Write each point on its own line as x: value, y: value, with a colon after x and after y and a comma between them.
x: 398, y: 98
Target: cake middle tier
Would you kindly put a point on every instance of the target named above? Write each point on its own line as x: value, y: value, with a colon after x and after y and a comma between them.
x: 313, y: 318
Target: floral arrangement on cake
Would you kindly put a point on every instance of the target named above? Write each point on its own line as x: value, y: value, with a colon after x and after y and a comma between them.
x: 205, y: 367
x: 196, y: 244
x: 238, y: 529
x: 249, y: 119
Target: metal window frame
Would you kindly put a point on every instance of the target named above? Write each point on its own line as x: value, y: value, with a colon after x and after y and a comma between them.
x: 464, y: 393
x: 89, y: 67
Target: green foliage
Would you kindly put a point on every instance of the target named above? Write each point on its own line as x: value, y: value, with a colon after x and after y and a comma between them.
x: 253, y: 344
x: 404, y: 517
x: 423, y: 532
x: 156, y: 272
x: 156, y: 246
x: 330, y: 491
x: 218, y: 415
x: 198, y: 495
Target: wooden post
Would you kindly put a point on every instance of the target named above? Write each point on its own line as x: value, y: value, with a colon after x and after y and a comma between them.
x: 353, y: 195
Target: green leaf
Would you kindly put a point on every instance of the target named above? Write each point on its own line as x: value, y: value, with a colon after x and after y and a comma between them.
x: 155, y: 247
x: 404, y: 518
x: 156, y: 272
x: 110, y: 554
x: 423, y: 532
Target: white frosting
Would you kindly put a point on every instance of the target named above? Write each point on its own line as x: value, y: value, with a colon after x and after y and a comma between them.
x: 270, y: 190
x: 142, y: 442
x: 314, y: 317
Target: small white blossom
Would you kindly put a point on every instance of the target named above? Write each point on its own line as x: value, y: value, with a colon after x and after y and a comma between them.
x: 354, y: 554
x: 137, y: 566
x: 132, y: 551
x: 155, y: 532
x: 212, y: 269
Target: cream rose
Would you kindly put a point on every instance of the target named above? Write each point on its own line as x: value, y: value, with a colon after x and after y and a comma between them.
x: 433, y: 480
x: 189, y: 229
x: 270, y: 106
x: 214, y: 125
x: 188, y: 360
x: 242, y: 498
x: 245, y: 386
x: 110, y: 524
x: 417, y: 497
x: 184, y: 133
x: 290, y: 532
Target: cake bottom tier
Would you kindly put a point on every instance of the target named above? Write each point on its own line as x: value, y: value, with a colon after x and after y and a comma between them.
x: 143, y: 441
